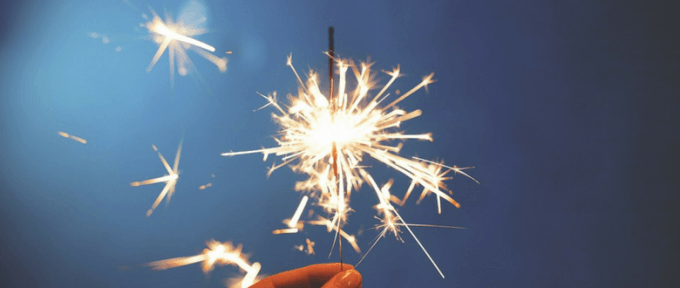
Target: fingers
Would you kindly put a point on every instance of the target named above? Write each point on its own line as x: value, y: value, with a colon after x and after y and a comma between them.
x: 312, y: 276
x: 346, y: 279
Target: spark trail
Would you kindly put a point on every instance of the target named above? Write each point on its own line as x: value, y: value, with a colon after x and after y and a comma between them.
x: 217, y: 254
x: 73, y: 137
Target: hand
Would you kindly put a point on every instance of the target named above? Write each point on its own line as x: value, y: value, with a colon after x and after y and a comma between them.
x: 314, y: 276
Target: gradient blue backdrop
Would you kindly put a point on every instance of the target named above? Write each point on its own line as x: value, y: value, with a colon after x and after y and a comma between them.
x: 565, y: 107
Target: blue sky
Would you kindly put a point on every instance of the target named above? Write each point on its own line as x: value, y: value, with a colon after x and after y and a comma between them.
x: 566, y: 109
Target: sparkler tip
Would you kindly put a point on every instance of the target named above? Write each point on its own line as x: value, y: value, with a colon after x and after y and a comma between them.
x: 289, y: 60
x: 394, y: 73
x: 427, y: 80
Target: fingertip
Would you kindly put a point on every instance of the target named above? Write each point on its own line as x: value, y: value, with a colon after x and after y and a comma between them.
x: 346, y: 267
x: 350, y: 278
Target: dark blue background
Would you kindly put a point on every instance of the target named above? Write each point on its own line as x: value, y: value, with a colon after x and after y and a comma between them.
x: 567, y: 108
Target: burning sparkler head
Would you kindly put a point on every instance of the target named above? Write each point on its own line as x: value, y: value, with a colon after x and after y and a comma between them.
x: 317, y: 130
x: 328, y: 137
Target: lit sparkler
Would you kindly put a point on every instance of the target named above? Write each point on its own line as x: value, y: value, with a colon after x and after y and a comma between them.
x: 327, y: 139
x: 170, y: 179
x: 217, y: 254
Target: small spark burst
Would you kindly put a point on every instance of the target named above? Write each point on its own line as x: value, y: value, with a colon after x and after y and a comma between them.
x: 217, y: 254
x: 176, y: 38
x: 327, y: 138
x: 170, y: 179
x: 205, y: 186
x: 310, y: 247
x: 72, y: 137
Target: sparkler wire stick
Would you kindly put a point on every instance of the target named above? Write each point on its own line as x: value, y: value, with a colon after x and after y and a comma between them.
x: 331, y: 52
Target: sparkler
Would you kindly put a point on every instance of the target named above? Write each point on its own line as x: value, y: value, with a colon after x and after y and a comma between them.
x: 217, y: 254
x: 170, y: 179
x: 320, y: 134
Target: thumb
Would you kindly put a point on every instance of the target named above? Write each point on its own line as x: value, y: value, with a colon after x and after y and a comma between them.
x: 346, y: 279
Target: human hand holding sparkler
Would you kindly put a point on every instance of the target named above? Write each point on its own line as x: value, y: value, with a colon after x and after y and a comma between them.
x: 314, y: 276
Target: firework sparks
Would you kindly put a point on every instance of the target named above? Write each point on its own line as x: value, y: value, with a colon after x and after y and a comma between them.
x: 216, y: 254
x: 327, y: 139
x: 73, y: 137
x: 170, y: 179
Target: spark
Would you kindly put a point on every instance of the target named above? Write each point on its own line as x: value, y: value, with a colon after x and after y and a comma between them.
x: 455, y: 168
x: 204, y: 186
x: 331, y: 226
x: 176, y: 37
x: 328, y: 138
x: 216, y: 254
x: 293, y: 223
x: 170, y: 179
x: 76, y: 138
x: 310, y: 247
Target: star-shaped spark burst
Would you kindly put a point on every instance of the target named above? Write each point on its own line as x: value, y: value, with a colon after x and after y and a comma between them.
x: 176, y: 38
x: 327, y: 139
x: 217, y: 254
x: 170, y: 179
